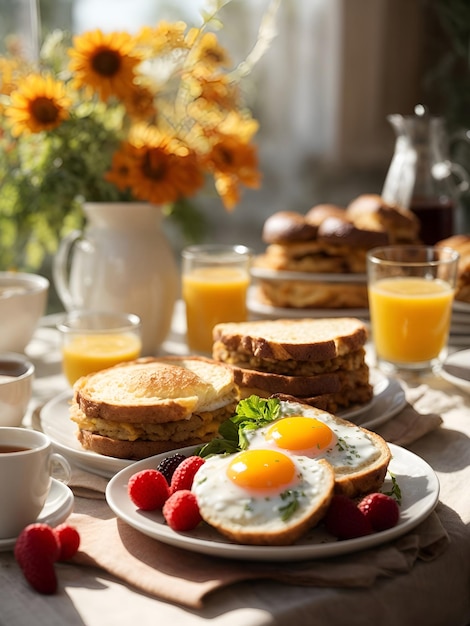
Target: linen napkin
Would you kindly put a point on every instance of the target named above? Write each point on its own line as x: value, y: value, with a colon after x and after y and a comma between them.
x: 186, y: 578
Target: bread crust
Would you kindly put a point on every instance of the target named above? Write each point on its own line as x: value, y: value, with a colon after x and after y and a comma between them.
x: 294, y: 385
x: 132, y: 450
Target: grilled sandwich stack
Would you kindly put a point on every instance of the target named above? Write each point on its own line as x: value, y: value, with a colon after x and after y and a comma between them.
x: 320, y: 362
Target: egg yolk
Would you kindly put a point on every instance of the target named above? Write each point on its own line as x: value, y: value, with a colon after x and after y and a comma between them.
x: 261, y: 469
x: 300, y: 433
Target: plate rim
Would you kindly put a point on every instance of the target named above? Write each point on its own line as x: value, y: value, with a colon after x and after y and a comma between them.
x: 88, y: 460
x: 298, y: 552
x: 462, y: 383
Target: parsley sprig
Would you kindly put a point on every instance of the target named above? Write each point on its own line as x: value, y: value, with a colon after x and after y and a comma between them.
x: 251, y: 413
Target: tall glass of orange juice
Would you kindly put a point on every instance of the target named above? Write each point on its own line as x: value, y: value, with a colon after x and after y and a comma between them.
x: 411, y: 290
x: 215, y: 280
x: 95, y: 340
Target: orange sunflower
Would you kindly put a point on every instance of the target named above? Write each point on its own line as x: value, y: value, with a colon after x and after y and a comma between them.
x: 40, y: 103
x: 157, y: 168
x: 104, y: 63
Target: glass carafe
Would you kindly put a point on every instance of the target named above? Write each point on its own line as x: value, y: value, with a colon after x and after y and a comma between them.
x: 422, y: 177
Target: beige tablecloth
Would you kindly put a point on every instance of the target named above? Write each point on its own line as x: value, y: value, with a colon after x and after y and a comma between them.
x: 121, y: 576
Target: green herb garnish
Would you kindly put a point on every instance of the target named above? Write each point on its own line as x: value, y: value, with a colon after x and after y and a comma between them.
x: 251, y: 413
x: 395, y: 491
x: 292, y: 504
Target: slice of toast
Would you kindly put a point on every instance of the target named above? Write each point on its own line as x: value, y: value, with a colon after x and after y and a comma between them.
x: 292, y: 339
x: 155, y: 390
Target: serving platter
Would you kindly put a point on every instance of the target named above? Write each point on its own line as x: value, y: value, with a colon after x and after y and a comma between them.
x: 260, y: 309
x: 418, y: 483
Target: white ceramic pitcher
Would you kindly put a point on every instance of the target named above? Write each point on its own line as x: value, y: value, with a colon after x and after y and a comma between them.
x: 122, y: 261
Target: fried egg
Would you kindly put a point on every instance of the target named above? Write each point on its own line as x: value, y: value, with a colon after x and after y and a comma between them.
x: 263, y: 496
x: 316, y: 434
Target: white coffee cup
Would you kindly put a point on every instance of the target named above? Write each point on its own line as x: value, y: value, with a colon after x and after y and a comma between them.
x: 26, y: 467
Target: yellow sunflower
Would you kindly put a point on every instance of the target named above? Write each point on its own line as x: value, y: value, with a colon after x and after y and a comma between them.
x: 161, y: 169
x: 40, y: 103
x: 104, y: 63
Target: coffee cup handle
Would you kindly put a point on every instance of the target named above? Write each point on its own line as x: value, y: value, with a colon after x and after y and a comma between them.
x: 63, y: 472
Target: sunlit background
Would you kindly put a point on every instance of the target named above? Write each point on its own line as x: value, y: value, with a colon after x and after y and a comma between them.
x: 334, y: 71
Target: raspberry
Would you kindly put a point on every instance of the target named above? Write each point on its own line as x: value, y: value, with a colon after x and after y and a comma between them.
x: 184, y: 473
x: 36, y: 550
x: 381, y: 510
x: 168, y: 465
x: 181, y: 510
x: 148, y: 489
x: 344, y: 520
x: 69, y: 540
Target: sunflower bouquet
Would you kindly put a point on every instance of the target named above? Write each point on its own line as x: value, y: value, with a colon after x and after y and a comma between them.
x: 156, y: 116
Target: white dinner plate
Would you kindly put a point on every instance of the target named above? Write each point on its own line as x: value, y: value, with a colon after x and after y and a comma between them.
x: 456, y: 369
x: 56, y: 424
x: 58, y: 506
x: 265, y: 272
x: 418, y: 483
x: 389, y: 399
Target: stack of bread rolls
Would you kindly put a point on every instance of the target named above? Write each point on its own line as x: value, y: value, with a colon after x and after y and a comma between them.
x: 332, y: 241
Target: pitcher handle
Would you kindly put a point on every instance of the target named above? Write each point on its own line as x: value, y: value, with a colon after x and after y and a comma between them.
x: 457, y: 170
x: 60, y: 265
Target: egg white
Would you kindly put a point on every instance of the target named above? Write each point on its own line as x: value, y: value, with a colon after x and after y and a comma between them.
x: 222, y: 502
x: 350, y: 449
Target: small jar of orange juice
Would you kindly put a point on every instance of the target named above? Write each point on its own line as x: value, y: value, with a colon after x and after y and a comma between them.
x: 95, y: 340
x: 215, y: 280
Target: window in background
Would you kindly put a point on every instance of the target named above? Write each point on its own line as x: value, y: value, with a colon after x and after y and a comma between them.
x: 322, y: 92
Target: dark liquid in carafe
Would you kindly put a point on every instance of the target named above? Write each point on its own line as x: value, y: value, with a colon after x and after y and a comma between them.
x: 436, y: 219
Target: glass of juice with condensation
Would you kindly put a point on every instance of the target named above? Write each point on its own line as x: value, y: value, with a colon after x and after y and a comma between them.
x: 215, y: 280
x: 94, y: 340
x: 411, y: 291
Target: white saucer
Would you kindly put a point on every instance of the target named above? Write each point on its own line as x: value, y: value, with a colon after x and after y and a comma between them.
x: 456, y: 369
x: 59, y: 505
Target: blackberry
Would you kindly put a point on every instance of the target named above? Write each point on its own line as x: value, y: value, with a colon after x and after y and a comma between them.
x: 168, y: 465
